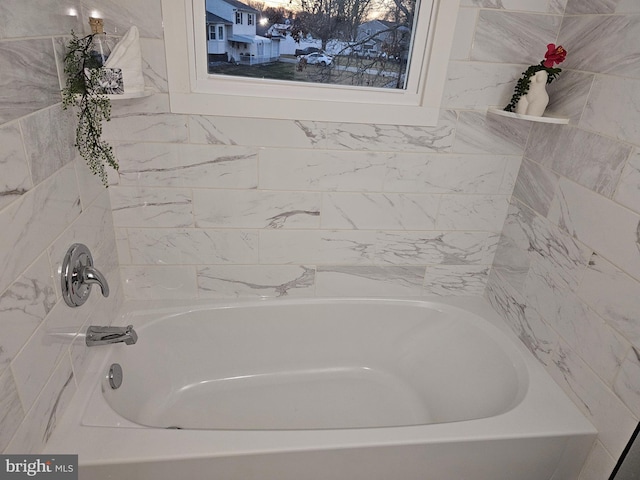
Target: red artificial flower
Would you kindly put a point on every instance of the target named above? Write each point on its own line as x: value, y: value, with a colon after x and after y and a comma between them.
x: 554, y: 55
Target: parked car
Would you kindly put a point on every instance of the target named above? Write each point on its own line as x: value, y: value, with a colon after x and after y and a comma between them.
x: 317, y: 59
x: 306, y: 51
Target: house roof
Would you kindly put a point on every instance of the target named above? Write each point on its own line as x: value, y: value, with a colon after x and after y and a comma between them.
x: 213, y: 18
x: 241, y: 6
x: 242, y: 38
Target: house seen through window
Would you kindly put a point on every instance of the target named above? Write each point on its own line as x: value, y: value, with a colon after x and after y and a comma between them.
x: 364, y: 43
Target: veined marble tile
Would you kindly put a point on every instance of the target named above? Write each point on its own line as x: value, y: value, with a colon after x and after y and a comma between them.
x: 472, y: 212
x: 614, y: 296
x: 599, y: 464
x: 602, y: 44
x: 512, y: 259
x: 49, y: 137
x: 591, y: 160
x: 508, y: 37
x: 16, y: 178
x: 282, y: 169
x: 24, y: 19
x: 183, y: 165
x: 627, y: 6
x: 224, y: 281
x: 154, y: 64
x: 89, y: 184
x: 577, y: 7
x: 379, y: 211
x: 535, y: 186
x: 451, y: 173
x: 23, y: 306
x: 627, y: 385
x: 256, y: 209
x: 145, y: 282
x: 30, y: 223
x: 366, y: 247
x: 264, y: 132
x: 120, y: 15
x: 151, y: 207
x: 599, y: 345
x: 526, y: 5
x: 340, y: 281
x: 445, y: 280
x: 536, y: 335
x: 11, y: 413
x: 613, y: 108
x: 628, y: 191
x: 146, y: 127
x: 41, y: 420
x: 479, y: 132
x: 29, y: 79
x: 557, y: 6
x: 603, y: 225
x: 192, y: 246
x: 464, y: 33
x: 476, y: 85
x: 613, y: 420
x: 568, y: 94
x: 122, y: 243
x: 392, y: 138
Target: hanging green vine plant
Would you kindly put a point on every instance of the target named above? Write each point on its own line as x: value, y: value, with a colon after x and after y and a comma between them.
x: 83, y: 90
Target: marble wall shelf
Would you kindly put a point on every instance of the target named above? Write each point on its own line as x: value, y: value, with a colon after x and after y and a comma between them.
x: 531, y: 118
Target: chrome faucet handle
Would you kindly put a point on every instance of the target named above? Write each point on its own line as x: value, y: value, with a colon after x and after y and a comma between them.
x: 78, y: 275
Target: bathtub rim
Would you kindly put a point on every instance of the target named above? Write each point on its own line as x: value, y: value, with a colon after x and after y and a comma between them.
x: 153, y: 444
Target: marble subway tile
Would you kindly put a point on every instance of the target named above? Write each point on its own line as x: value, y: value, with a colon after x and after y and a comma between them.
x: 579, y: 7
x: 23, y: 306
x: 322, y: 170
x: 557, y: 6
x: 122, y: 243
x: 472, y: 212
x: 599, y: 464
x: 154, y: 64
x: 24, y: 19
x: 177, y: 165
x: 264, y: 133
x: 511, y: 37
x: 89, y: 184
x: 475, y: 85
x: 613, y: 420
x: 394, y: 138
x: 568, y: 94
x: 49, y: 137
x: 11, y: 413
x: 33, y: 221
x: 525, y: 5
x: 599, y: 223
x: 379, y: 211
x: 627, y: 385
x: 614, y: 296
x: 370, y: 281
x: 478, y: 132
x: 256, y: 209
x: 451, y: 173
x: 628, y: 191
x: 627, y: 6
x: 613, y: 108
x: 132, y: 126
x: 150, y: 282
x: 238, y: 281
x: 16, y: 177
x: 602, y: 44
x: 445, y: 280
x: 535, y: 186
x: 29, y: 79
x: 192, y: 246
x: 591, y: 160
x: 151, y: 207
x: 41, y: 419
x: 464, y: 33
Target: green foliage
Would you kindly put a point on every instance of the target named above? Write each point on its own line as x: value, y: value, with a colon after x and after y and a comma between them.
x: 523, y: 84
x: 83, y: 91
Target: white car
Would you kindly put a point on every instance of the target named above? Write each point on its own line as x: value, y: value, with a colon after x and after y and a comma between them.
x: 317, y: 59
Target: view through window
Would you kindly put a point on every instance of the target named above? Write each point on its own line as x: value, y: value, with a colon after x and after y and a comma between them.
x: 364, y: 43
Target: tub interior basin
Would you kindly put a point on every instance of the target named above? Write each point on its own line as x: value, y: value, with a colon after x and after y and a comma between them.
x: 315, y: 365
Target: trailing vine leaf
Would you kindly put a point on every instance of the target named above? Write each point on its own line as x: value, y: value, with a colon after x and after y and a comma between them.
x: 82, y: 90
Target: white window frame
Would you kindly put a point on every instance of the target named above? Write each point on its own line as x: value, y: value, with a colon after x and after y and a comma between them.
x: 193, y: 91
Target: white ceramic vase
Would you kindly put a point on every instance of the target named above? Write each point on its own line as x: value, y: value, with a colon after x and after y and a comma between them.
x: 536, y: 99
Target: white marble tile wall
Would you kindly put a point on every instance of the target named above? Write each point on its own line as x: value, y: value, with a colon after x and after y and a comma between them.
x: 569, y: 254
x: 48, y: 200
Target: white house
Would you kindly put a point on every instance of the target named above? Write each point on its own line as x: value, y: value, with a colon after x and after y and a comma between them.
x: 376, y: 37
x: 231, y: 34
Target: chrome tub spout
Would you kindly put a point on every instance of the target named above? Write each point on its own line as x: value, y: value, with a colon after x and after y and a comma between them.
x: 97, y: 335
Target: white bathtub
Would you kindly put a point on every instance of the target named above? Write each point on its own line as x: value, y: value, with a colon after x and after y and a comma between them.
x: 322, y: 389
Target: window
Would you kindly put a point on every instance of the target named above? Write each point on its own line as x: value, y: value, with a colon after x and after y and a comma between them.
x: 193, y: 90
x: 238, y: 18
x: 249, y: 19
x: 212, y: 32
x: 220, y: 32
